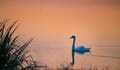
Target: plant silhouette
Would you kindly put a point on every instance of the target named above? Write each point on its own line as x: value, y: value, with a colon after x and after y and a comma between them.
x: 12, y: 55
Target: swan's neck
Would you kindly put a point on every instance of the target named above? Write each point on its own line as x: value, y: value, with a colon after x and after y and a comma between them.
x: 73, y: 46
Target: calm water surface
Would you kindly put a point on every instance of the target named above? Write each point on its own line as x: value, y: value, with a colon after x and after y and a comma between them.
x: 56, y: 55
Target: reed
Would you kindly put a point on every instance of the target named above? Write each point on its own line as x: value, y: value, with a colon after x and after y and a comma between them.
x: 13, y: 55
x: 69, y: 67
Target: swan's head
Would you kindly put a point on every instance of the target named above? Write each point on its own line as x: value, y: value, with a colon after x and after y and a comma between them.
x: 72, y: 37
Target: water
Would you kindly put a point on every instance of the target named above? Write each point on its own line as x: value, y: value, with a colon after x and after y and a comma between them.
x: 54, y: 57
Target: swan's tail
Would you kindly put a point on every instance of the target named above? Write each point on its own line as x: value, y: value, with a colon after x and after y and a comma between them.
x: 89, y: 50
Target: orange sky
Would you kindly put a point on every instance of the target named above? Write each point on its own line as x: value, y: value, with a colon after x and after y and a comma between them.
x: 91, y: 22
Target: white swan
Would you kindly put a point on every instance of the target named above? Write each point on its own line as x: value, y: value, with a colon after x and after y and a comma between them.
x: 79, y: 50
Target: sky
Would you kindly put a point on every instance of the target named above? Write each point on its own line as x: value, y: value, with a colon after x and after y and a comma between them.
x: 54, y: 20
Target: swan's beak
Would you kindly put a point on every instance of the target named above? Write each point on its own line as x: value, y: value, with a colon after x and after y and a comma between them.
x: 71, y: 37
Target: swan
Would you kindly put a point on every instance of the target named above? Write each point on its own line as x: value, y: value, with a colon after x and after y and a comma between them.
x: 79, y: 49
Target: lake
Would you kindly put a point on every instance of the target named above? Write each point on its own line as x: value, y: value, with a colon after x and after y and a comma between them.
x: 58, y: 55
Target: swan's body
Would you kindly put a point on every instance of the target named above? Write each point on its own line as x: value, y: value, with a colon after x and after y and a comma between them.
x: 79, y: 50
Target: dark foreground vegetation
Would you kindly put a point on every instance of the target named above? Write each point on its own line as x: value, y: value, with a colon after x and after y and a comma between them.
x: 62, y: 67
x: 12, y: 54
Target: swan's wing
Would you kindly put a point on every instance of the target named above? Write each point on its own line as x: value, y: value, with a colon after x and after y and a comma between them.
x: 79, y: 47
